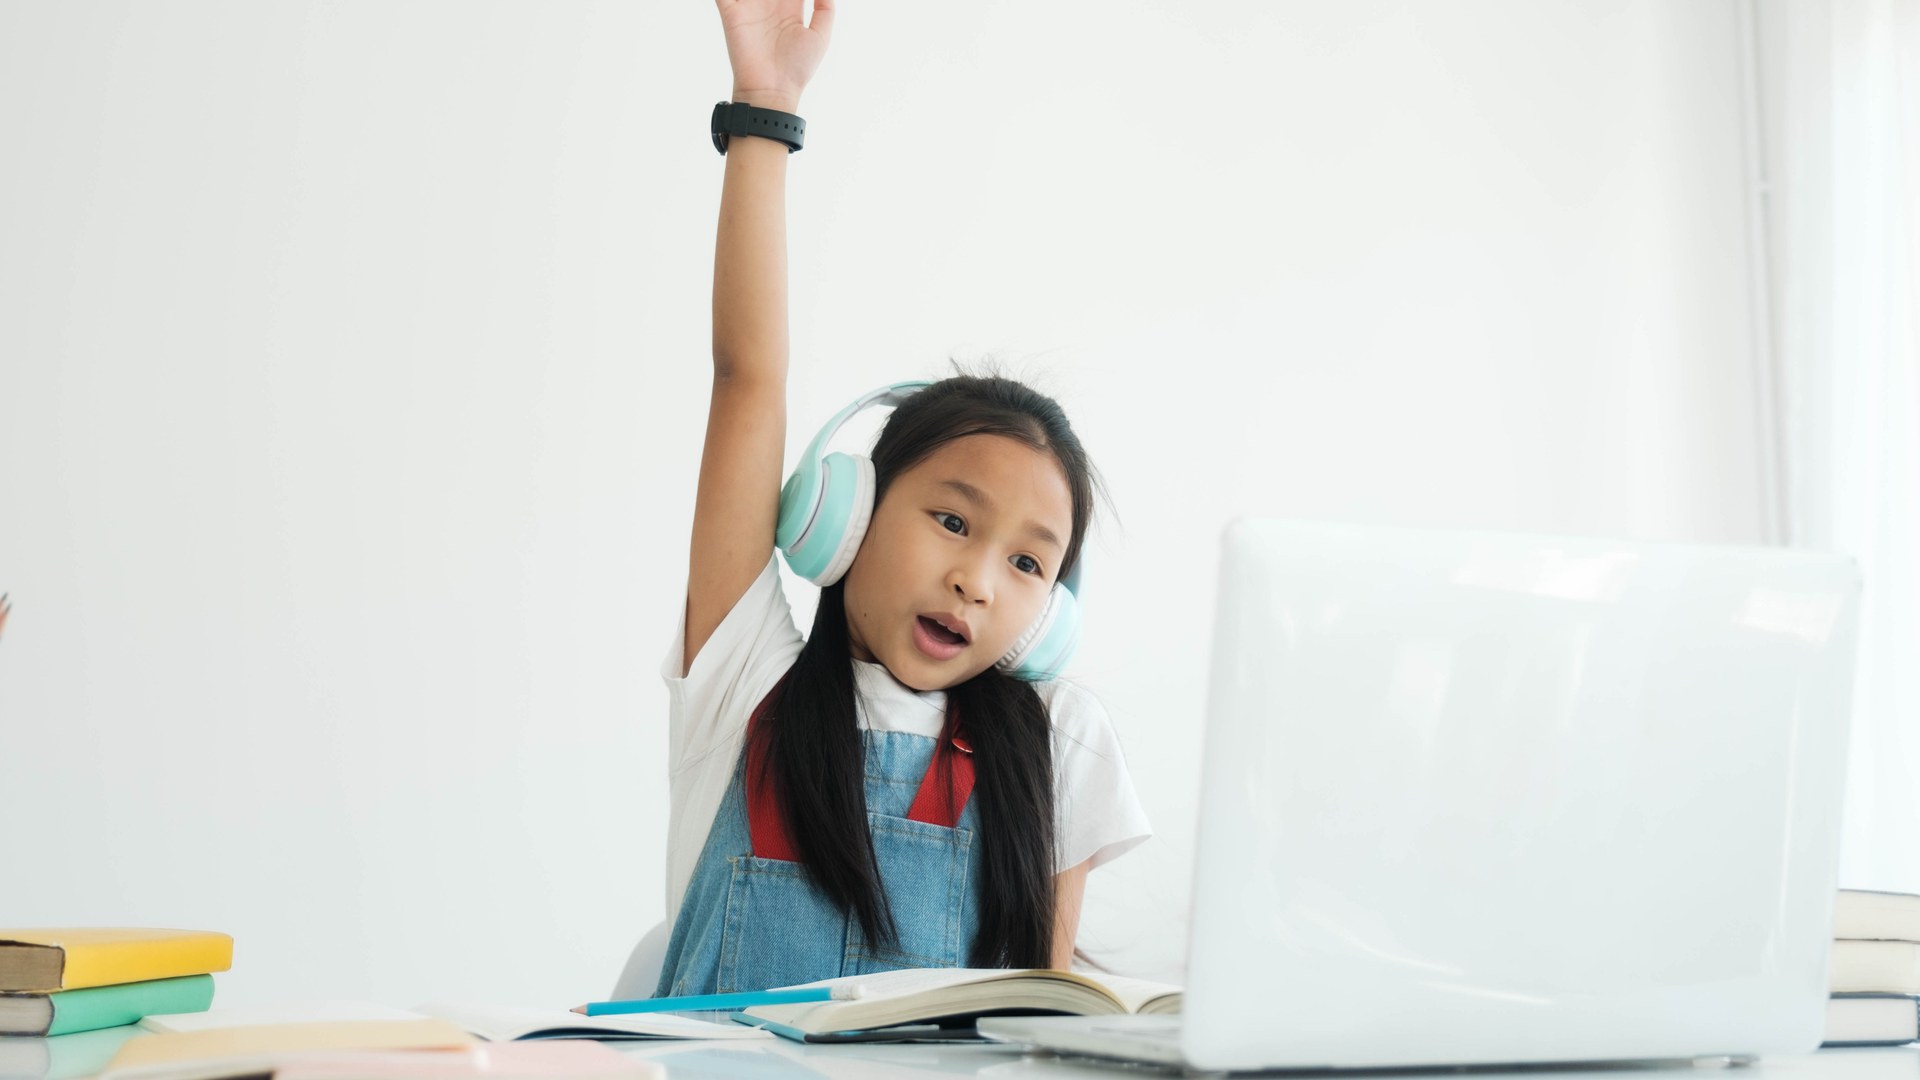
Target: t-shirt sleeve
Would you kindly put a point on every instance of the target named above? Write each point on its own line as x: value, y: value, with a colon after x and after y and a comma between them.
x: 753, y: 645
x: 1097, y: 814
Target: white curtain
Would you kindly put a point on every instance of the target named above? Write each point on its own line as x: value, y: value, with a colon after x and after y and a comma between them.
x: 1841, y: 94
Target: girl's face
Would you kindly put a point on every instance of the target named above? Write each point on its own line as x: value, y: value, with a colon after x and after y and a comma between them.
x: 972, y: 536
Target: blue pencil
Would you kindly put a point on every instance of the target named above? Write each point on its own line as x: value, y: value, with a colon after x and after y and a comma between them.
x: 741, y: 1000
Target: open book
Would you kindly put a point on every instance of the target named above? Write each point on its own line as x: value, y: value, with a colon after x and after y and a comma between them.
x: 950, y: 998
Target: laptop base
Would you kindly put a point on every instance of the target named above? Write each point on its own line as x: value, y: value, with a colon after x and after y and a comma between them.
x: 1154, y: 1042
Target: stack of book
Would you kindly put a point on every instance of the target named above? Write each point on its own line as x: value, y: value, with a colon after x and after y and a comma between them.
x: 1874, y: 971
x: 55, y: 983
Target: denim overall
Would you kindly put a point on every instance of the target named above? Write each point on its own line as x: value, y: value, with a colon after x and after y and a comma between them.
x: 750, y: 918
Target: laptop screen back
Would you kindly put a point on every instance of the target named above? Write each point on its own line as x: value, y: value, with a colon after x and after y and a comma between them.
x: 1476, y: 797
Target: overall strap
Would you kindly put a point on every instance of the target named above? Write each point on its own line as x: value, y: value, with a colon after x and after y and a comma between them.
x: 948, y: 784
x: 943, y: 793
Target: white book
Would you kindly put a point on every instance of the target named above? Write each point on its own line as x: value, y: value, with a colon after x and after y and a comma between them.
x: 1888, y: 967
x: 1864, y: 913
x: 61, y: 1057
x: 249, y: 1050
x: 1872, y: 1019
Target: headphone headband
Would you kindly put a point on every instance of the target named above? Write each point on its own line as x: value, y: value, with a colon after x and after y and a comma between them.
x: 891, y: 394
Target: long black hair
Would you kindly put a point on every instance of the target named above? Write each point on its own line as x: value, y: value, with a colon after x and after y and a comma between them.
x: 813, y: 747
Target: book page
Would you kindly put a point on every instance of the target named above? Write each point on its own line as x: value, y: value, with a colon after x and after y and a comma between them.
x: 894, y: 997
x: 1131, y: 992
x: 892, y: 984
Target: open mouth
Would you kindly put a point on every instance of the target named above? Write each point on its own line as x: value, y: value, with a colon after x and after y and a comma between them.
x: 940, y: 633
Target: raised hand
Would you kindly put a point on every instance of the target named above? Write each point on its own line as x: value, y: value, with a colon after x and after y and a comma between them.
x: 772, y: 49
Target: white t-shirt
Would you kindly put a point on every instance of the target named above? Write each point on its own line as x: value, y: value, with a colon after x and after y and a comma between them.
x: 1097, y: 816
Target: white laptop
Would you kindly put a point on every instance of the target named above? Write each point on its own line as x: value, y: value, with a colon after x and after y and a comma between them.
x: 1473, y: 798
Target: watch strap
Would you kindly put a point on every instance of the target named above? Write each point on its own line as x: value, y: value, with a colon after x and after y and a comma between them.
x: 739, y: 118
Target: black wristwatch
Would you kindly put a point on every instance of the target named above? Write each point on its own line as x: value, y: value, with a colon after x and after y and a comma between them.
x: 739, y: 118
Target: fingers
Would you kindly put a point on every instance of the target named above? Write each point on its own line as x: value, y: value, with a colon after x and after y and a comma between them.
x: 822, y: 18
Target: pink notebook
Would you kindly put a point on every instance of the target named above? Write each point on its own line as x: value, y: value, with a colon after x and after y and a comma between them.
x: 493, y: 1061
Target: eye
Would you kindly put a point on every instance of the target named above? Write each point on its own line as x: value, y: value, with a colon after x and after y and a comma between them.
x: 943, y: 517
x: 1032, y: 562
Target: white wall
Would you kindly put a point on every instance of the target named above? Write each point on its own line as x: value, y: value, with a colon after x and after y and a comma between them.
x: 1843, y: 213
x: 353, y: 365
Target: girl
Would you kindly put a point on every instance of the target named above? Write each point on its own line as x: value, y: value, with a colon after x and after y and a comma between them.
x: 883, y: 794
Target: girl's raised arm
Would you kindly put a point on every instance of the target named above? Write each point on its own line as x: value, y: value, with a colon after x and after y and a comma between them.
x: 773, y: 54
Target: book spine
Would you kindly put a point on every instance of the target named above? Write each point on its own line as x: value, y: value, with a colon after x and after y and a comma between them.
x: 98, y: 1007
x: 107, y: 963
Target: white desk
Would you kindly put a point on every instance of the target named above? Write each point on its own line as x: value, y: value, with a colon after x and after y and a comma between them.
x: 774, y: 1058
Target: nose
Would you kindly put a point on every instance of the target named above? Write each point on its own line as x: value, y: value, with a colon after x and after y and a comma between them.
x: 971, y: 583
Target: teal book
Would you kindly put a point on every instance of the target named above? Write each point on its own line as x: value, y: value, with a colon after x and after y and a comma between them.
x: 59, y: 1012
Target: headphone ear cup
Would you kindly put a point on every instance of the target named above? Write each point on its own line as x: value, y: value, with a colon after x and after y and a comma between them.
x: 856, y: 511
x: 1043, y: 651
x: 829, y: 533
x: 799, y: 502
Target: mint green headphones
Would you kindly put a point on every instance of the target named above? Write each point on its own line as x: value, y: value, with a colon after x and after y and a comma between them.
x: 827, y: 503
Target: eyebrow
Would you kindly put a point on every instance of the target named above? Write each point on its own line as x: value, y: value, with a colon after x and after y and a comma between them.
x: 979, y: 498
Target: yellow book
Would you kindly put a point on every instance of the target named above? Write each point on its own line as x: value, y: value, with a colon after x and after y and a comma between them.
x: 68, y: 958
x: 259, y: 1048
